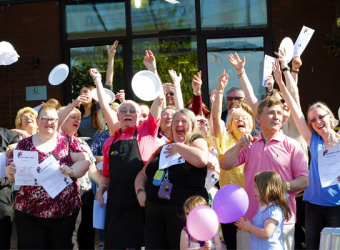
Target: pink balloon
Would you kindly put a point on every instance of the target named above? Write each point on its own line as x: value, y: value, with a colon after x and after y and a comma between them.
x: 202, y: 223
x: 230, y: 203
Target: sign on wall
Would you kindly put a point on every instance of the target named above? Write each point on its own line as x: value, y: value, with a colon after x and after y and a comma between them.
x: 36, y: 93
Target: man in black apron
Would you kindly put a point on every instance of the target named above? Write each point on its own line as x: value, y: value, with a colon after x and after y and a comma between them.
x: 124, y: 156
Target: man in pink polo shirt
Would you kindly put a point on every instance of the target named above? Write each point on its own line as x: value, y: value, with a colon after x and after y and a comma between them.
x: 271, y: 150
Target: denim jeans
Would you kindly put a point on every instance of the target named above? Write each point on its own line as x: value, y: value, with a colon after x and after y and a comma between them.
x: 318, y: 217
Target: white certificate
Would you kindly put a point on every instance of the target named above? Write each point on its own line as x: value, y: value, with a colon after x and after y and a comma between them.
x: 329, y: 166
x: 2, y: 164
x: 267, y: 68
x: 302, y: 41
x: 24, y: 162
x: 50, y: 177
x: 172, y: 160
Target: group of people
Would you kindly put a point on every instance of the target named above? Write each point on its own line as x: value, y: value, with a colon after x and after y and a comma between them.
x: 153, y: 164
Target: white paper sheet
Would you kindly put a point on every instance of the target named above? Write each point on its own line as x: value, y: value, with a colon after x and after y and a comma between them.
x: 99, y: 215
x: 267, y: 68
x: 24, y: 162
x: 303, y: 40
x: 329, y: 166
x: 50, y: 177
x: 2, y: 164
x: 168, y: 162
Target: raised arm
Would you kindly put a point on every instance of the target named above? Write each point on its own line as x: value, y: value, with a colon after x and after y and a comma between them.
x: 295, y: 110
x: 110, y: 115
x: 176, y: 79
x: 63, y: 114
x: 245, y: 83
x: 296, y: 64
x: 218, y: 124
x: 157, y: 105
x: 196, y: 84
x: 290, y: 83
x: 111, y: 52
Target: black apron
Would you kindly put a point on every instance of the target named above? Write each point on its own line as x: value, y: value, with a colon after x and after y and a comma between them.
x: 124, y: 221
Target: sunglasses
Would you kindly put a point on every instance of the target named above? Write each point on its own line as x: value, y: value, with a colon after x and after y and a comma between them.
x: 320, y: 117
x: 202, y: 122
x: 234, y: 98
x: 124, y: 111
x: 170, y: 93
x: 48, y: 120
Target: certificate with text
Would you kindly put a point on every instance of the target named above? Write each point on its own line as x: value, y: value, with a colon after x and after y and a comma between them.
x: 50, y: 177
x: 24, y: 162
x: 267, y: 68
x: 329, y: 166
x: 303, y: 40
x: 170, y: 161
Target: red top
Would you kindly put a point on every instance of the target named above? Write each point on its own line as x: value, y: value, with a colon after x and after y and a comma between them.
x: 35, y: 201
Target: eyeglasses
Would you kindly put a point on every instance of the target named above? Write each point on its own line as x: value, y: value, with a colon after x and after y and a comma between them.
x: 282, y: 101
x: 26, y: 117
x: 202, y: 122
x: 170, y: 93
x: 166, y: 115
x: 124, y: 111
x: 234, y: 98
x: 47, y: 120
x: 320, y: 117
x: 77, y: 118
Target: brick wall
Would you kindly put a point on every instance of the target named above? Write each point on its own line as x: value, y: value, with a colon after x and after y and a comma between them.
x: 319, y: 77
x: 33, y: 29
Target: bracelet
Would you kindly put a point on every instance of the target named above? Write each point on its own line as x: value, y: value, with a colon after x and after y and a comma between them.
x: 220, y: 91
x: 139, y: 190
x: 152, y: 68
x: 72, y: 175
x: 103, y: 185
x: 239, y: 75
x: 295, y: 71
x: 197, y: 93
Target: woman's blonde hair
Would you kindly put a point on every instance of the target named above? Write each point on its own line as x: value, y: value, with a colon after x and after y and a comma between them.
x: 334, y: 122
x: 54, y: 102
x: 192, y: 122
x: 20, y: 114
x: 192, y: 202
x: 240, y: 111
x: 211, y: 140
x: 271, y: 189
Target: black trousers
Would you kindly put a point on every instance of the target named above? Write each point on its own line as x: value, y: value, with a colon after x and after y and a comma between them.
x: 300, y: 224
x: 5, y: 229
x: 229, y: 234
x: 163, y: 226
x: 41, y: 233
x: 318, y: 217
x: 86, y: 232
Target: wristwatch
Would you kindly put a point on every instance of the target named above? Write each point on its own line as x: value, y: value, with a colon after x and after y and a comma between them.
x: 286, y: 69
x: 288, y: 185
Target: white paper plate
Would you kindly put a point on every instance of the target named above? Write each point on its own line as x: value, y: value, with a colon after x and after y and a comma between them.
x: 109, y: 96
x: 8, y: 54
x: 146, y: 85
x: 288, y: 44
x: 58, y: 74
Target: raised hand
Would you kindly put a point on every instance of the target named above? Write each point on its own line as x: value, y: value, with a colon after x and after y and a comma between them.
x: 176, y: 79
x: 197, y: 82
x: 121, y: 96
x: 281, y: 58
x: 111, y: 52
x: 223, y: 81
x: 277, y: 72
x: 270, y: 82
x: 213, y: 95
x: 149, y: 60
x: 95, y: 75
x: 237, y: 62
x: 168, y: 87
x: 296, y: 64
